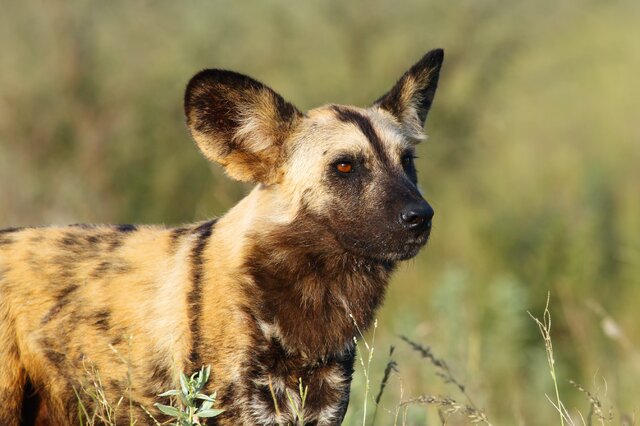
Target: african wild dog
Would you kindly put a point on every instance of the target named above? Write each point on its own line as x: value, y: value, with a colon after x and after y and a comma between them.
x: 268, y: 293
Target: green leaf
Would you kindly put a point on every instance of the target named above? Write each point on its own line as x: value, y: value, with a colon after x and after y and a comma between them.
x: 206, y: 405
x: 205, y: 397
x: 172, y: 392
x: 183, y: 384
x: 171, y: 411
x: 212, y: 412
x: 207, y: 373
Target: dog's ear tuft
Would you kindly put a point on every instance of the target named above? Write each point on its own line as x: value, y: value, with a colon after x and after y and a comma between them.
x: 410, y: 99
x: 240, y: 123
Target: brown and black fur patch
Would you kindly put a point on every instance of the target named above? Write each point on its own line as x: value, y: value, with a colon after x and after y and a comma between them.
x: 203, y: 233
x: 413, y: 94
x: 239, y: 122
x: 306, y: 283
x: 6, y: 236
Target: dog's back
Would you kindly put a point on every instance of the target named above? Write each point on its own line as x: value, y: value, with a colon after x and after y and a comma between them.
x: 72, y: 297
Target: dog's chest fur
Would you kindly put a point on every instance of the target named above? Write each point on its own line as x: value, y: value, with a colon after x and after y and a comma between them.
x: 274, y: 382
x: 305, y: 307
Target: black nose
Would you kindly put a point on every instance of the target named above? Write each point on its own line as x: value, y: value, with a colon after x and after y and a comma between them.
x: 417, y: 215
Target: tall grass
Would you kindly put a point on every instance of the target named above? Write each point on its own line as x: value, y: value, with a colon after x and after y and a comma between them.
x: 189, y: 407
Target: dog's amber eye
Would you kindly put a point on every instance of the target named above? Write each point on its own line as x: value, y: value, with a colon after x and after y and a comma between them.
x: 344, y: 167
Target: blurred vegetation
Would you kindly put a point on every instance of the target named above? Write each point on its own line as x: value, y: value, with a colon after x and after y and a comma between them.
x: 533, y: 164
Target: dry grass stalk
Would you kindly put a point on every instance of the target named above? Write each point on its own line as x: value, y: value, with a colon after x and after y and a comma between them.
x: 471, y: 411
x: 595, y: 407
x: 447, y: 406
x: 366, y: 368
x: 545, y: 330
x: 392, y: 366
x: 103, y: 411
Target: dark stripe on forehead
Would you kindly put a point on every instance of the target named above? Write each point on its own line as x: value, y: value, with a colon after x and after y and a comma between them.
x: 364, y: 124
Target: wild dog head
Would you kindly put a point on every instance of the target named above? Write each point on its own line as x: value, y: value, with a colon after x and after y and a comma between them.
x: 350, y: 170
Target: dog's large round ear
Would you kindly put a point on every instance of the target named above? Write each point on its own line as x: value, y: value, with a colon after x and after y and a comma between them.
x: 410, y: 99
x: 240, y: 123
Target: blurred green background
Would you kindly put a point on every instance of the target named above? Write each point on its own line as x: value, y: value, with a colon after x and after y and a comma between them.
x: 532, y: 165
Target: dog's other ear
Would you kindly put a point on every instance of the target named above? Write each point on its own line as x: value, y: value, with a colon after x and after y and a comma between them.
x: 240, y: 123
x: 410, y: 99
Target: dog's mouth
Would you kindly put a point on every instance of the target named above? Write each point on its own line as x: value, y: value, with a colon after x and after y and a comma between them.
x: 410, y: 248
x: 388, y: 251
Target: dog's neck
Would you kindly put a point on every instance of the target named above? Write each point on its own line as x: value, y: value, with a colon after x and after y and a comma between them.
x: 311, y: 291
